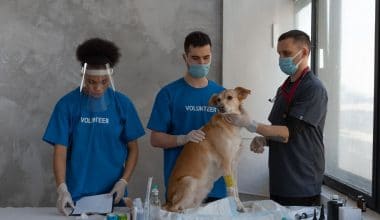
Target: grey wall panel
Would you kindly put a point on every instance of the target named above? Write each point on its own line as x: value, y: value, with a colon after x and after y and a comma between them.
x: 37, y: 66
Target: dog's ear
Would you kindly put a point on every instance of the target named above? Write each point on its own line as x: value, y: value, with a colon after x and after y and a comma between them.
x: 213, y: 100
x: 242, y: 92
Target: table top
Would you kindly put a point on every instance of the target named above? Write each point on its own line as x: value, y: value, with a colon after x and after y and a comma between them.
x: 51, y: 213
x: 212, y: 211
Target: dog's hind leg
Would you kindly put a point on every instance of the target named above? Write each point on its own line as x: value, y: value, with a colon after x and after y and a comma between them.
x: 184, y: 196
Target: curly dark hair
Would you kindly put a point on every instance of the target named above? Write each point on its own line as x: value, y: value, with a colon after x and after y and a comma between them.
x: 98, y: 51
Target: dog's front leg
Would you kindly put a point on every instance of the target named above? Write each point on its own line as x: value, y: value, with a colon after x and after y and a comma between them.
x: 240, y: 206
x: 230, y: 180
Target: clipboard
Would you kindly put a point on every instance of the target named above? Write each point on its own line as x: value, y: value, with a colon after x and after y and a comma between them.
x: 97, y: 204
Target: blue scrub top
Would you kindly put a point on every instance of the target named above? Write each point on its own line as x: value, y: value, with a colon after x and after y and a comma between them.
x: 96, y: 141
x: 178, y: 109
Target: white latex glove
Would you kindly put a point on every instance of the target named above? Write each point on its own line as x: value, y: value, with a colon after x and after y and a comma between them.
x: 64, y: 199
x: 119, y: 189
x: 242, y: 120
x: 258, y: 143
x: 193, y: 136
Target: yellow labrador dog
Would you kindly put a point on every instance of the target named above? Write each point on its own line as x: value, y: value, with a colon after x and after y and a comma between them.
x: 200, y: 164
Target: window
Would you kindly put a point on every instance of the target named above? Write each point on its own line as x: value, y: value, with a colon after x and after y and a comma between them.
x: 303, y: 19
x: 302, y: 15
x: 346, y: 49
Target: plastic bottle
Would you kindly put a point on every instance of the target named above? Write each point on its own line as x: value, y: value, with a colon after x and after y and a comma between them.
x: 155, y: 197
x: 359, y: 201
x: 333, y: 207
x: 138, y: 209
x: 364, y: 205
x: 155, y: 203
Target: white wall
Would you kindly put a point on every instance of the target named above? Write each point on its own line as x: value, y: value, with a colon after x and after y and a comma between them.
x: 249, y: 60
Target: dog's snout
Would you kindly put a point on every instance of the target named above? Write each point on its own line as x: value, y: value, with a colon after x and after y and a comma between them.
x: 221, y: 108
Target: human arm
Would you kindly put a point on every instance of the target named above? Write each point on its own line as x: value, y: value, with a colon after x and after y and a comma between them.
x: 164, y: 140
x: 59, y: 164
x: 162, y: 120
x: 59, y: 167
x: 279, y: 133
x: 133, y: 154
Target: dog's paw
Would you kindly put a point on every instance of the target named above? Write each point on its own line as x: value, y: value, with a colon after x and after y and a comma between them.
x: 241, y: 208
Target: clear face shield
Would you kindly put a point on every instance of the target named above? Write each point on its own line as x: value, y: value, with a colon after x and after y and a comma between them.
x: 94, y: 87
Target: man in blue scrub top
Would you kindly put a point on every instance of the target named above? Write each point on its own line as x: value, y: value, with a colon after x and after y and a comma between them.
x: 295, y: 138
x: 181, y: 107
x: 94, y: 131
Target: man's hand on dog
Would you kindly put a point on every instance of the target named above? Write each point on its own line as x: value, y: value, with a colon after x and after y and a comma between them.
x: 242, y: 120
x: 239, y: 120
x: 257, y: 144
x: 195, y: 136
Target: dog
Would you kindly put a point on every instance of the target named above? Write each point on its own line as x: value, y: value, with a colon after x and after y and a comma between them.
x: 199, y: 165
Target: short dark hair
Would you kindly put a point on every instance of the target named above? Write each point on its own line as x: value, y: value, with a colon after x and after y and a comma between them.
x: 97, y: 52
x: 196, y: 39
x: 298, y: 36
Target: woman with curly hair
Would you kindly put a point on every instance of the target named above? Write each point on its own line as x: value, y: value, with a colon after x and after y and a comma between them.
x: 94, y: 131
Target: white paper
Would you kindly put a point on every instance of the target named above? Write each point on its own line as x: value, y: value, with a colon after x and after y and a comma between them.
x: 100, y: 204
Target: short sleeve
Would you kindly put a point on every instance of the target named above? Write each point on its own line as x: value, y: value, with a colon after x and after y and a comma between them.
x: 133, y: 128
x: 58, y: 131
x: 311, y: 106
x: 160, y: 117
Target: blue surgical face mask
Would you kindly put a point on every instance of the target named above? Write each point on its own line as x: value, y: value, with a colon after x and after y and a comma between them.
x: 288, y: 66
x: 199, y: 70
